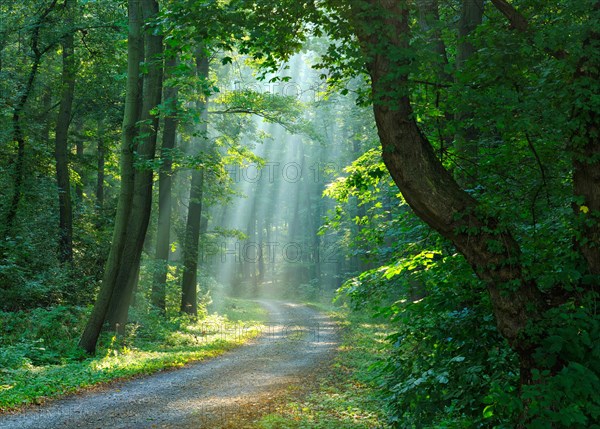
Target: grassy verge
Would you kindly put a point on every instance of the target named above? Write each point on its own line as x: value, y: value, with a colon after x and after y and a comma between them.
x: 342, y: 394
x: 35, y: 367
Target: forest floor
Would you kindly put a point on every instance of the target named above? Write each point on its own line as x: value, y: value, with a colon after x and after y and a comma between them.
x: 295, y: 347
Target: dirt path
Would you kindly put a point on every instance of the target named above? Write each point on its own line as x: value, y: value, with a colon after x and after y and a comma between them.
x: 206, y: 394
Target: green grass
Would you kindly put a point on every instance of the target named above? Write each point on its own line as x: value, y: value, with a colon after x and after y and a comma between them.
x: 150, y: 346
x: 239, y: 310
x: 343, y: 395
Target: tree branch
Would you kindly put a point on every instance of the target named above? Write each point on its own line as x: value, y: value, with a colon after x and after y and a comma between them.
x: 520, y: 23
x: 515, y: 18
x: 259, y: 113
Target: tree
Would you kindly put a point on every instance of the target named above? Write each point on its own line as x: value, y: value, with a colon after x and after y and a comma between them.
x: 138, y: 146
x: 163, y: 244
x: 488, y: 244
x: 65, y: 247
x: 39, y: 50
x: 189, y: 286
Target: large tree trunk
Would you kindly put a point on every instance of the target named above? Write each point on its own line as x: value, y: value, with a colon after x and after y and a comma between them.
x: 189, y: 292
x: 430, y: 189
x: 92, y: 330
x: 141, y: 203
x: 163, y: 229
x: 586, y: 151
x: 61, y: 147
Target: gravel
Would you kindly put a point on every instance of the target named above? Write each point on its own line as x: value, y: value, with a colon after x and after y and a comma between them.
x: 207, y: 394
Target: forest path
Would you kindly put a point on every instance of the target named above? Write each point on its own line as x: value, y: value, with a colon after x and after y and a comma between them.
x: 206, y: 394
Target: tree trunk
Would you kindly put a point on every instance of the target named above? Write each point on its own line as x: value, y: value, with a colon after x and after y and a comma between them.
x: 586, y: 151
x: 260, y: 278
x: 249, y: 254
x: 79, y: 155
x: 141, y: 204
x: 429, y: 21
x: 92, y: 330
x: 163, y: 229
x: 18, y: 133
x: 100, y: 171
x: 466, y: 137
x: 431, y: 191
x: 61, y: 147
x: 189, y: 292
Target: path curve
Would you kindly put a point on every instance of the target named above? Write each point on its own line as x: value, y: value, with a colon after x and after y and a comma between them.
x: 207, y: 394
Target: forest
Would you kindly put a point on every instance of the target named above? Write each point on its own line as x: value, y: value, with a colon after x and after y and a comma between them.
x: 405, y: 194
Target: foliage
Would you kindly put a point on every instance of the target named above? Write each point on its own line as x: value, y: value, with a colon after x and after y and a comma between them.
x: 39, y: 357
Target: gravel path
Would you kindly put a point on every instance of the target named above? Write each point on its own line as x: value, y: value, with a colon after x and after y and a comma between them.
x: 206, y: 394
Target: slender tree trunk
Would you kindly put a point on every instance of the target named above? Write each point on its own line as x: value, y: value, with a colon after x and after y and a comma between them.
x: 18, y: 133
x: 189, y: 292
x: 79, y: 155
x: 250, y: 253
x: 438, y: 200
x: 92, y: 330
x: 260, y: 256
x: 61, y: 147
x: 100, y: 170
x: 429, y: 22
x: 48, y: 122
x: 189, y: 285
x: 141, y: 203
x: 466, y: 137
x: 163, y: 229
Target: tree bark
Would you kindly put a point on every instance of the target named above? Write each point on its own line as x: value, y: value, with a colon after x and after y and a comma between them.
x: 100, y: 170
x: 141, y: 203
x: 586, y: 153
x: 189, y: 293
x: 429, y: 21
x: 94, y: 325
x: 430, y: 189
x: 163, y: 229
x: 466, y: 137
x: 79, y: 156
x: 61, y: 147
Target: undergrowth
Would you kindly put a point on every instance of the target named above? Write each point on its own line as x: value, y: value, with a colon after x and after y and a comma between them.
x: 39, y: 357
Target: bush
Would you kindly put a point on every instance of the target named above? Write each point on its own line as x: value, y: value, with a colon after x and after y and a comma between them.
x: 41, y: 336
x: 446, y: 352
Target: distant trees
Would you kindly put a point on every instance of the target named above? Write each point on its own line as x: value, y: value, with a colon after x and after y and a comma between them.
x: 472, y: 151
x: 45, y: 116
